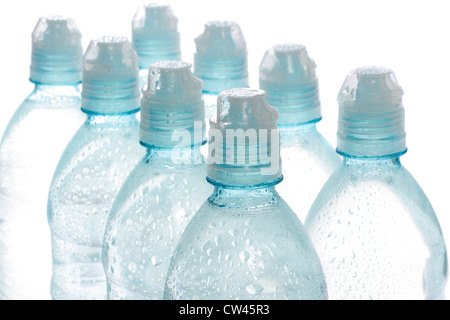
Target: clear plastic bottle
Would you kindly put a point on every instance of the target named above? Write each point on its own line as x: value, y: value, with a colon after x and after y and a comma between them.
x: 288, y: 76
x: 155, y: 37
x: 30, y: 149
x: 244, y: 242
x: 372, y: 225
x: 220, y: 61
x: 93, y: 167
x: 165, y: 189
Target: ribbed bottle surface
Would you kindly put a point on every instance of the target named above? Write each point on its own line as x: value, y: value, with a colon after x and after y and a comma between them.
x: 371, y: 114
x: 172, y: 107
x: 56, y: 51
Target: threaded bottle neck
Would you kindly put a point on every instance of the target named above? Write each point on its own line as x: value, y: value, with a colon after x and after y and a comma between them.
x: 219, y: 75
x: 110, y: 77
x: 57, y: 52
x: 172, y: 111
x: 174, y: 156
x: 297, y: 104
x: 350, y: 160
x: 244, y: 141
x: 245, y: 198
x: 288, y: 76
x: 155, y: 35
x: 371, y: 114
x: 221, y: 57
x: 115, y: 121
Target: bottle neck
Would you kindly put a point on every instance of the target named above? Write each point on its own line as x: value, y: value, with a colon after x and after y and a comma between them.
x: 42, y: 72
x: 115, y: 121
x: 244, y: 198
x: 297, y: 103
x: 393, y: 161
x: 220, y: 73
x: 302, y: 127
x: 175, y: 156
x: 59, y: 89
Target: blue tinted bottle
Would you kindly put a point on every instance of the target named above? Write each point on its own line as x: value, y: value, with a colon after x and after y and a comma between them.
x: 164, y: 190
x: 288, y: 76
x: 244, y: 242
x: 373, y: 227
x: 155, y: 37
x: 93, y: 168
x: 220, y: 61
x: 30, y: 149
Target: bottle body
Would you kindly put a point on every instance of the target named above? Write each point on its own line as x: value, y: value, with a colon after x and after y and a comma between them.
x: 151, y: 211
x: 245, y: 244
x: 85, y: 184
x: 377, y: 234
x: 32, y: 144
x: 308, y: 161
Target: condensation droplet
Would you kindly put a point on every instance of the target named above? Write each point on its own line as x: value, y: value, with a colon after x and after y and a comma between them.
x: 132, y: 267
x: 244, y: 256
x: 254, y: 289
x: 155, y: 261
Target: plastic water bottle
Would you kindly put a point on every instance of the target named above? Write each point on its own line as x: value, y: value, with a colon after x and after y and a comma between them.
x: 93, y: 167
x: 155, y: 37
x: 288, y: 76
x: 165, y: 189
x: 373, y: 227
x: 30, y: 149
x: 220, y: 61
x: 245, y: 242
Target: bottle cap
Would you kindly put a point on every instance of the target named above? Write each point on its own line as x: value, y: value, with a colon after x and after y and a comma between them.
x: 155, y: 34
x: 110, y: 76
x: 288, y: 76
x: 172, y: 107
x: 221, y: 57
x: 244, y: 142
x: 371, y: 114
x: 56, y: 51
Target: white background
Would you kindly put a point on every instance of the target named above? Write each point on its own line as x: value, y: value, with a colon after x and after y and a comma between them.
x: 411, y: 37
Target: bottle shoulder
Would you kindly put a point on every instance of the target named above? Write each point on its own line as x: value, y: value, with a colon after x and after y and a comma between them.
x: 54, y: 94
x: 298, y: 140
x: 36, y: 109
x: 110, y: 132
x: 302, y: 134
x: 98, y: 154
x: 375, y: 193
x: 154, y: 189
x: 234, y: 243
x: 52, y: 98
x: 358, y: 179
x: 152, y: 208
x: 272, y: 215
x: 389, y: 172
x: 162, y: 175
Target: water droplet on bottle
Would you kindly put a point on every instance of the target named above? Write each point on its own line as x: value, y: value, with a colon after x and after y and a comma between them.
x: 132, y: 267
x: 155, y: 261
x: 254, y: 289
x: 244, y: 255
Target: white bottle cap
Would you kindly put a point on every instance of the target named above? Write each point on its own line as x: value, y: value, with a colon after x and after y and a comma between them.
x: 371, y: 114
x: 155, y: 35
x: 110, y: 76
x: 56, y: 51
x: 221, y: 57
x: 288, y: 76
x: 244, y: 142
x: 172, y: 107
